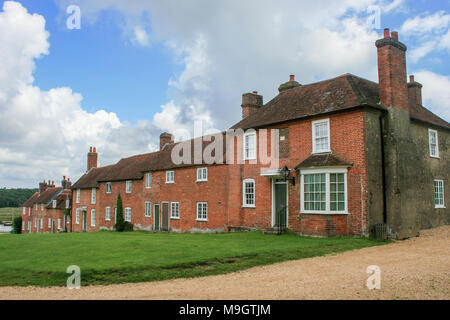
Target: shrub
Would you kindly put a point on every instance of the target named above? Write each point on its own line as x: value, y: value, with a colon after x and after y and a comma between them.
x: 120, y: 224
x: 17, y: 225
x: 127, y: 226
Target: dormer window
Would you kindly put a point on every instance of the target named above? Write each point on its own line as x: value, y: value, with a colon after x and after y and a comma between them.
x: 54, y: 204
x: 321, y: 136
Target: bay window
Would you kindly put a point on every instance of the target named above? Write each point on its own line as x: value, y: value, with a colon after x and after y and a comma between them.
x: 324, y: 191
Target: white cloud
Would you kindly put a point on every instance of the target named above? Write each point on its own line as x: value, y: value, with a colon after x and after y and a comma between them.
x: 426, y: 23
x: 46, y: 134
x: 435, y: 92
x: 140, y: 36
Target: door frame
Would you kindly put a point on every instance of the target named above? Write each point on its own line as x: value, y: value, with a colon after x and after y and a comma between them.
x: 159, y: 216
x: 84, y: 222
x: 168, y: 215
x: 273, y: 183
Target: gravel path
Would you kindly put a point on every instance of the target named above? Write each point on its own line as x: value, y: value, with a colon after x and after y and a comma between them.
x: 417, y: 268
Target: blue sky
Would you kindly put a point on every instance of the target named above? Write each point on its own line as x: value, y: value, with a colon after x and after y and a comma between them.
x: 137, y: 68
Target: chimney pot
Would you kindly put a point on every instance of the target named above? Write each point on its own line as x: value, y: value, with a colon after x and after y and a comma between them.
x: 95, y: 149
x: 90, y: 149
x: 255, y: 92
x: 292, y: 77
x: 386, y: 33
x: 411, y: 78
x: 394, y: 35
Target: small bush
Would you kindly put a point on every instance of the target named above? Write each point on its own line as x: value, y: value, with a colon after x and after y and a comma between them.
x: 127, y: 227
x: 17, y: 225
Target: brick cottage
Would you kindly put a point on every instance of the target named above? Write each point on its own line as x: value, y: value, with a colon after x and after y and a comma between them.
x: 355, y: 157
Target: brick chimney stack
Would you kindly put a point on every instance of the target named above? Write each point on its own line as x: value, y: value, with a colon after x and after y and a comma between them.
x: 43, y: 186
x: 66, y: 184
x: 392, y: 71
x: 414, y: 91
x: 251, y: 102
x: 92, y: 158
x: 165, y: 139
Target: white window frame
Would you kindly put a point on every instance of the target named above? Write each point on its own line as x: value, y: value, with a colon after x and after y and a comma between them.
x: 92, y: 217
x: 108, y: 187
x: 127, y: 209
x: 49, y: 223
x: 23, y: 225
x: 202, y: 218
x: 177, y: 205
x: 244, y: 198
x: 108, y: 214
x: 327, y: 173
x: 251, y: 133
x: 67, y: 203
x: 430, y: 133
x: 202, y: 174
x: 439, y: 206
x: 77, y: 216
x: 24, y: 211
x: 172, y: 173
x: 78, y: 197
x: 148, y: 180
x: 93, y: 195
x: 42, y: 207
x: 128, y: 186
x: 115, y: 215
x: 29, y: 211
x: 148, y: 209
x: 54, y: 203
x: 314, y: 145
x: 59, y: 224
x: 42, y: 223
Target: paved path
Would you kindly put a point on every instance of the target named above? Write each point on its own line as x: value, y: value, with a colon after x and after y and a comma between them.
x: 418, y: 268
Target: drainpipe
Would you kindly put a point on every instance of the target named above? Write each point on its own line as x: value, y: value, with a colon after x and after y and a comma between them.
x: 383, y: 166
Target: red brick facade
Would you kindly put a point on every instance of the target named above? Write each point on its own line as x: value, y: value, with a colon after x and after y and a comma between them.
x: 329, y: 134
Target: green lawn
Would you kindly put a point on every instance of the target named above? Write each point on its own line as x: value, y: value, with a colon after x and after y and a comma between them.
x: 109, y: 257
x: 8, y: 214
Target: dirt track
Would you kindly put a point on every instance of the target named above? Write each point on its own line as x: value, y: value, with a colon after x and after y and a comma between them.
x: 417, y: 268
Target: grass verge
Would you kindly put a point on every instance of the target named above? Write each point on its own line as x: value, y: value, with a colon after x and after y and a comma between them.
x: 109, y: 258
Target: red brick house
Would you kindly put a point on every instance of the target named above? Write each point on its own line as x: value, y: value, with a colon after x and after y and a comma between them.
x: 354, y: 157
x: 44, y: 212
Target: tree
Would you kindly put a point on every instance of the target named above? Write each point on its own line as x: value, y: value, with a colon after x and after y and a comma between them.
x: 120, y: 223
x: 17, y: 225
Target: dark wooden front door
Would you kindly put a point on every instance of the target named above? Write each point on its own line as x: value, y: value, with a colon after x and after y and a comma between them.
x: 84, y: 222
x: 165, y: 217
x: 156, y: 218
x: 280, y: 204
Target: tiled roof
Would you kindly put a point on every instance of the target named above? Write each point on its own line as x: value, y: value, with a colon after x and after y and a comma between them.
x: 324, y: 160
x: 90, y: 178
x: 31, y: 201
x: 48, y: 195
x: 418, y: 112
x: 42, y: 198
x: 61, y: 200
x: 341, y: 93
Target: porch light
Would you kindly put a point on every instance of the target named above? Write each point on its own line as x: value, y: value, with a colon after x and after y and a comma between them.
x: 285, y: 172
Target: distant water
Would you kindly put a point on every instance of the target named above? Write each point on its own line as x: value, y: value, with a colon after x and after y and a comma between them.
x: 5, y: 229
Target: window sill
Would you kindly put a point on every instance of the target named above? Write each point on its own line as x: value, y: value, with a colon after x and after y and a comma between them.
x: 434, y: 157
x: 170, y: 182
x: 324, y: 212
x: 148, y: 188
x: 249, y: 207
x: 175, y: 218
x: 441, y: 207
x: 321, y: 151
x: 201, y: 181
x: 201, y: 220
x: 147, y: 216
